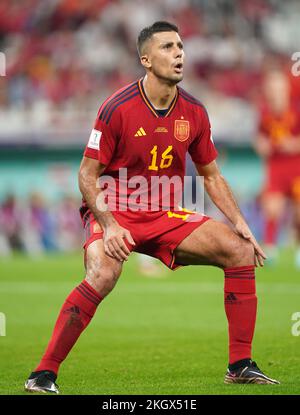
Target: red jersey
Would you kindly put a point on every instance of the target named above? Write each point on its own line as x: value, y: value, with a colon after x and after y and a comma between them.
x: 279, y: 127
x: 130, y: 133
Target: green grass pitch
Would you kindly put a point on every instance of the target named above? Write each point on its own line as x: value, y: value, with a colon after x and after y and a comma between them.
x: 163, y: 335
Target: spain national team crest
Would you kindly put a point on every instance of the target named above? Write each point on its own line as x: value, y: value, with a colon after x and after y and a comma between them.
x: 181, y: 130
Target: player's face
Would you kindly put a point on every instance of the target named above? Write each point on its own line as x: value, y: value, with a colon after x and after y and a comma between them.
x: 165, y: 56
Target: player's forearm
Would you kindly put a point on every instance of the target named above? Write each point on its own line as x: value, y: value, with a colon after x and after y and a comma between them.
x: 222, y: 196
x: 92, y: 195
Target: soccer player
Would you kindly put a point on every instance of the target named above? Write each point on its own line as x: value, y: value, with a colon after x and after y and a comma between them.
x: 278, y: 143
x: 148, y: 127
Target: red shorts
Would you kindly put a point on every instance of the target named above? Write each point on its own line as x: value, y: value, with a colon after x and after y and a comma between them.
x: 155, y: 233
x: 283, y: 176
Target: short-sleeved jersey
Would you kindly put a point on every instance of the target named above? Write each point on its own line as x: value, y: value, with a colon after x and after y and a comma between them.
x: 279, y: 127
x: 130, y: 133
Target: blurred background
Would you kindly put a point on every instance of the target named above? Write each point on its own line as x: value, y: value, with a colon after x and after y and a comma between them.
x: 64, y: 57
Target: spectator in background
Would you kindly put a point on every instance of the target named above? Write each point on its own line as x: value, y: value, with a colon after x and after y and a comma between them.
x: 54, y: 76
x: 34, y: 226
x: 10, y: 225
x: 278, y: 143
x: 69, y: 235
x: 38, y: 226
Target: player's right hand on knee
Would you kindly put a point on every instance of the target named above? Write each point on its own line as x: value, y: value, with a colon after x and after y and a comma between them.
x: 114, y: 242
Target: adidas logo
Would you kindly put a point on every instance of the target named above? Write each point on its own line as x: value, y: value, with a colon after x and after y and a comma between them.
x: 140, y: 132
x: 74, y: 309
x: 230, y: 298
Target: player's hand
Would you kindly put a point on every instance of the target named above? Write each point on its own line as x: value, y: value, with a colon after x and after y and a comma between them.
x: 114, y: 244
x: 242, y: 229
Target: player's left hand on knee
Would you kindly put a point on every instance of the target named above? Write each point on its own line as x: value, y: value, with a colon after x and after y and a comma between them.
x: 242, y: 229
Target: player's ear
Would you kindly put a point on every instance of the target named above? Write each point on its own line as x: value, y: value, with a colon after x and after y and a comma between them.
x: 145, y: 61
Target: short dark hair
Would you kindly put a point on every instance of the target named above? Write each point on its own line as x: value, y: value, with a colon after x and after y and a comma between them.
x: 148, y: 32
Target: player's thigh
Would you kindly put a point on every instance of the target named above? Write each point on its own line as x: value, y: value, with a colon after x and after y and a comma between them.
x: 273, y: 204
x: 102, y: 271
x: 214, y: 243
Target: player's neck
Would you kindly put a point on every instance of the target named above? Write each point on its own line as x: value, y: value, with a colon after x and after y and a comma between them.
x: 159, y: 94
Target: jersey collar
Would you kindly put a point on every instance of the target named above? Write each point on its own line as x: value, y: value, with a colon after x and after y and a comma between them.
x: 150, y: 106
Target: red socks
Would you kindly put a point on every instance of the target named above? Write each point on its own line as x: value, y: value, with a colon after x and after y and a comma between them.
x: 240, y: 307
x: 80, y: 306
x: 76, y: 313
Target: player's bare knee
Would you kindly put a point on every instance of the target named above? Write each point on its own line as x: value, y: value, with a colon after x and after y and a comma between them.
x: 248, y: 252
x: 102, y: 277
x: 106, y: 280
x: 241, y: 253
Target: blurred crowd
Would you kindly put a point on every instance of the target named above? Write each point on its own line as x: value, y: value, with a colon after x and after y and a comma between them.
x: 65, y: 56
x: 34, y: 226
